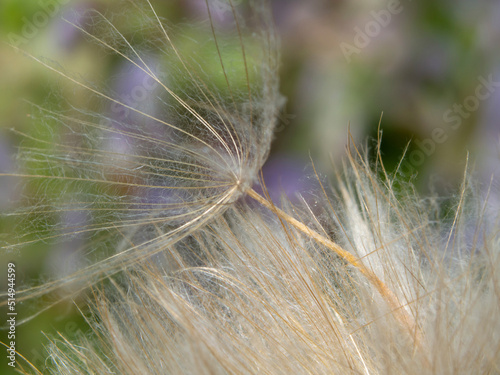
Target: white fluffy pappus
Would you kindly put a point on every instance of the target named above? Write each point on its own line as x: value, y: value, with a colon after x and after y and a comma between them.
x: 137, y: 177
x: 263, y: 297
x: 190, y: 278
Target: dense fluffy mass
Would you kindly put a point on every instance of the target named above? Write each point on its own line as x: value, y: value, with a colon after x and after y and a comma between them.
x: 194, y: 272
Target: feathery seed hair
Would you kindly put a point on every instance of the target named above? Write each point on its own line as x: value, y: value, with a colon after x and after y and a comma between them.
x: 188, y: 277
x: 139, y: 183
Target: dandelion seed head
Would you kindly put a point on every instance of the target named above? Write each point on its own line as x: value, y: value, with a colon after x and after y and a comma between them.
x: 167, y: 151
x: 264, y: 297
x: 187, y: 277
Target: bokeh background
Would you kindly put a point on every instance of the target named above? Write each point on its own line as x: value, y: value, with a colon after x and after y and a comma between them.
x: 431, y: 68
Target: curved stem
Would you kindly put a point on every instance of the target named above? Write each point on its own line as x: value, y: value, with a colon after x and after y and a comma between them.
x: 400, y: 313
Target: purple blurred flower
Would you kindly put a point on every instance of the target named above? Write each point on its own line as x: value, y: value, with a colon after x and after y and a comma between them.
x: 135, y: 88
x: 489, y: 165
x: 284, y: 175
x: 7, y: 183
x: 64, y: 35
x: 137, y: 91
x: 220, y: 10
x: 67, y: 256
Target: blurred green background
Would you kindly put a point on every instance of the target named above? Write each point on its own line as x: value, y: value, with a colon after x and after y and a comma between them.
x: 430, y: 67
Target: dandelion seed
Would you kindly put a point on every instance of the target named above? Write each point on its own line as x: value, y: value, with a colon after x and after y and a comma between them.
x: 199, y: 282
x: 178, y: 172
x: 269, y: 299
x: 148, y: 176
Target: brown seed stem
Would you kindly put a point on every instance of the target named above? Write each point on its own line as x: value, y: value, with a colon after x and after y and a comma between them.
x: 400, y: 313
